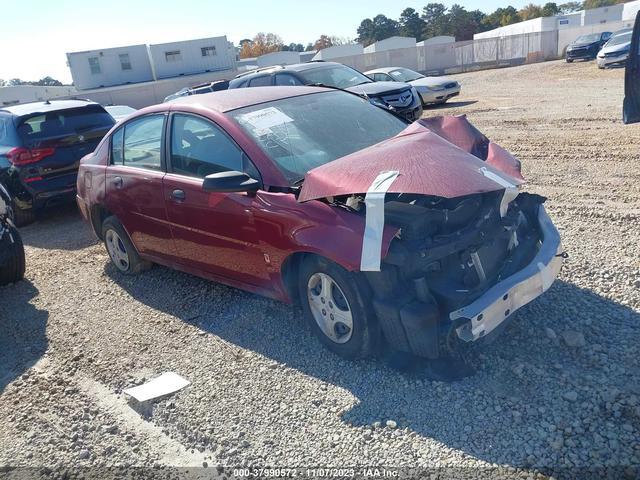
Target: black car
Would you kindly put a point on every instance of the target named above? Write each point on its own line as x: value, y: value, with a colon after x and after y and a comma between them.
x: 631, y: 109
x: 11, y: 248
x: 586, y: 47
x: 207, y: 87
x: 399, y: 98
x: 41, y: 145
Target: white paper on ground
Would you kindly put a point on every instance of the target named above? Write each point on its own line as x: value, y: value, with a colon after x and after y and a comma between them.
x: 165, y: 384
x: 374, y: 221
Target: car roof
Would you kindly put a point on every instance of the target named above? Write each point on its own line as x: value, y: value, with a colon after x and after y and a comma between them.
x: 382, y: 70
x: 226, y: 100
x: 47, y: 106
x: 296, y: 67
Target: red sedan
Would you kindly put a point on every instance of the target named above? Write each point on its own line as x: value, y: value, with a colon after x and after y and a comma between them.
x: 416, y: 235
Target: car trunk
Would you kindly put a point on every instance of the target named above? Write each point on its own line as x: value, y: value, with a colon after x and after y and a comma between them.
x: 56, y: 141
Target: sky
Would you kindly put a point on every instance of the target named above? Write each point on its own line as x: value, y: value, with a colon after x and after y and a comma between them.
x: 36, y: 34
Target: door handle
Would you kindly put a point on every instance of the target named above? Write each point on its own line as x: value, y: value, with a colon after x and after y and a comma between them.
x: 178, y: 195
x: 118, y: 182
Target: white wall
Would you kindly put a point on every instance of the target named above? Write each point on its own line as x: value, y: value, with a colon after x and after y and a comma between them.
x: 570, y: 20
x: 439, y: 40
x: 278, y: 58
x: 338, y: 51
x: 602, y: 15
x: 32, y: 93
x: 111, y: 72
x: 191, y: 60
x: 391, y: 43
x: 542, y: 24
x: 630, y: 10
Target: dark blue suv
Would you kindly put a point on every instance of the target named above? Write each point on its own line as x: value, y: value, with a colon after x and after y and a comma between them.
x: 41, y: 145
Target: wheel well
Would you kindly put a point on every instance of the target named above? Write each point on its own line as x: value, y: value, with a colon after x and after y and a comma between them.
x: 98, y: 215
x: 289, y: 272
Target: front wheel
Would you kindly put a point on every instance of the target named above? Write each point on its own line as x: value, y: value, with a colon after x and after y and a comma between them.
x: 336, y: 309
x: 569, y: 60
x: 120, y: 248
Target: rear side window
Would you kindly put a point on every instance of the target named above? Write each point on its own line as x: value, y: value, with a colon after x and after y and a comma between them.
x: 287, y: 80
x: 116, y: 147
x: 142, y: 146
x: 62, y: 123
x: 264, y: 81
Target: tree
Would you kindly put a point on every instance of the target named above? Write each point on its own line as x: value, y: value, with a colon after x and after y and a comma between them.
x: 261, y: 44
x: 500, y: 18
x: 598, y: 3
x: 309, y: 47
x: 323, y: 42
x: 48, y: 82
x: 2, y: 82
x: 410, y: 24
x: 531, y: 11
x: 550, y: 9
x: 378, y: 28
x: 436, y: 20
x: 463, y: 24
x: 366, y: 32
x: 15, y: 81
x: 570, y: 7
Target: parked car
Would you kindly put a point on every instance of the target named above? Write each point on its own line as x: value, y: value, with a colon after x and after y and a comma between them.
x: 41, y: 145
x: 432, y: 90
x: 631, y: 108
x: 12, y: 261
x: 586, y: 47
x: 399, y: 98
x: 207, y: 87
x: 281, y: 191
x: 616, y: 50
x: 118, y: 112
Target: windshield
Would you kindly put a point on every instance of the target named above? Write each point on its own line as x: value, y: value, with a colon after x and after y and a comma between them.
x: 594, y: 37
x: 405, y: 75
x: 301, y: 133
x: 620, y: 39
x: 334, y: 76
x: 119, y: 110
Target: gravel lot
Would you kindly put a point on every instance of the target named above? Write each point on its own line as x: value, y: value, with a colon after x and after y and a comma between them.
x: 558, y: 391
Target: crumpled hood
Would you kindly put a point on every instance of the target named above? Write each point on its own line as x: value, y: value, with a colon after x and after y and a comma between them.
x: 441, y: 156
x: 614, y: 48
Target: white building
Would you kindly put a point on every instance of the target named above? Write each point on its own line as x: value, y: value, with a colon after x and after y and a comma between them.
x: 608, y: 18
x: 32, y: 93
x: 192, y: 56
x: 278, y: 58
x: 307, y: 56
x: 391, y: 43
x: 110, y: 66
x: 338, y: 51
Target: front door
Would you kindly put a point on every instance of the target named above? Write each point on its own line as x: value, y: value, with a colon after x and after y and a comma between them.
x: 134, y: 192
x: 213, y: 232
x: 631, y: 113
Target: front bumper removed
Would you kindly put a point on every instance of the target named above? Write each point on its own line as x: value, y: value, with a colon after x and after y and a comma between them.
x: 500, y: 302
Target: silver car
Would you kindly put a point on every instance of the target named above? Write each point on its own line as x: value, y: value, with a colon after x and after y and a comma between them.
x: 616, y: 50
x: 432, y: 90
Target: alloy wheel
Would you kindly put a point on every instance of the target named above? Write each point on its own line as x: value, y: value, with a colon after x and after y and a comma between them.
x: 330, y: 307
x: 117, y: 250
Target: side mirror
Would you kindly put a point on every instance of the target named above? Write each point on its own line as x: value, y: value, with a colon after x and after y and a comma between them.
x: 230, y: 181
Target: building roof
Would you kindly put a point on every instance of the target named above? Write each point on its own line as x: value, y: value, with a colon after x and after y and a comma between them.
x: 227, y: 100
x: 43, y: 107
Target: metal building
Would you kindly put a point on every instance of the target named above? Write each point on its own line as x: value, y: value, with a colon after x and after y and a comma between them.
x: 192, y: 56
x: 110, y: 66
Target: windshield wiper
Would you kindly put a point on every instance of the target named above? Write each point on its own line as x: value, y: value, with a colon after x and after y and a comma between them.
x: 298, y: 182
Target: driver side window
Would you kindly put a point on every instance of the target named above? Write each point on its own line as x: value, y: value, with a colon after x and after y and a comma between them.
x: 199, y: 148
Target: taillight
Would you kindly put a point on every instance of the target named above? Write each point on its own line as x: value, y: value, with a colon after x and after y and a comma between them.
x: 19, y: 156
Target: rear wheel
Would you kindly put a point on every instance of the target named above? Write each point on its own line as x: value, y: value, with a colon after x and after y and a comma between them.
x: 14, y: 263
x: 569, y: 60
x: 120, y: 248
x: 23, y: 217
x: 336, y: 309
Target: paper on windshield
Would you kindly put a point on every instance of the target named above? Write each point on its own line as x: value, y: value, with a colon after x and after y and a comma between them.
x: 262, y: 120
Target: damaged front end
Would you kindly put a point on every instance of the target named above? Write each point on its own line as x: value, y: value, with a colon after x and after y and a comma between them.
x: 457, y: 269
x: 469, y: 248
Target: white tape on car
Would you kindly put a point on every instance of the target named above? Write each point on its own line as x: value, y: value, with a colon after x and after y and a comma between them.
x: 374, y: 222
x: 510, y: 190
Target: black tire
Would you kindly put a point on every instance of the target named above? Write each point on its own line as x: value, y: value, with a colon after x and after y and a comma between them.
x: 14, y: 265
x: 23, y: 217
x: 121, y: 241
x: 569, y: 60
x: 365, y: 336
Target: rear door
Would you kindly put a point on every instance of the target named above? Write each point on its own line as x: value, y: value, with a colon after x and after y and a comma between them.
x: 57, y: 140
x: 631, y: 108
x: 134, y: 185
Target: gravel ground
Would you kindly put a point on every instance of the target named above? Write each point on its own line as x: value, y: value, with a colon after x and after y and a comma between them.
x: 557, y: 392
